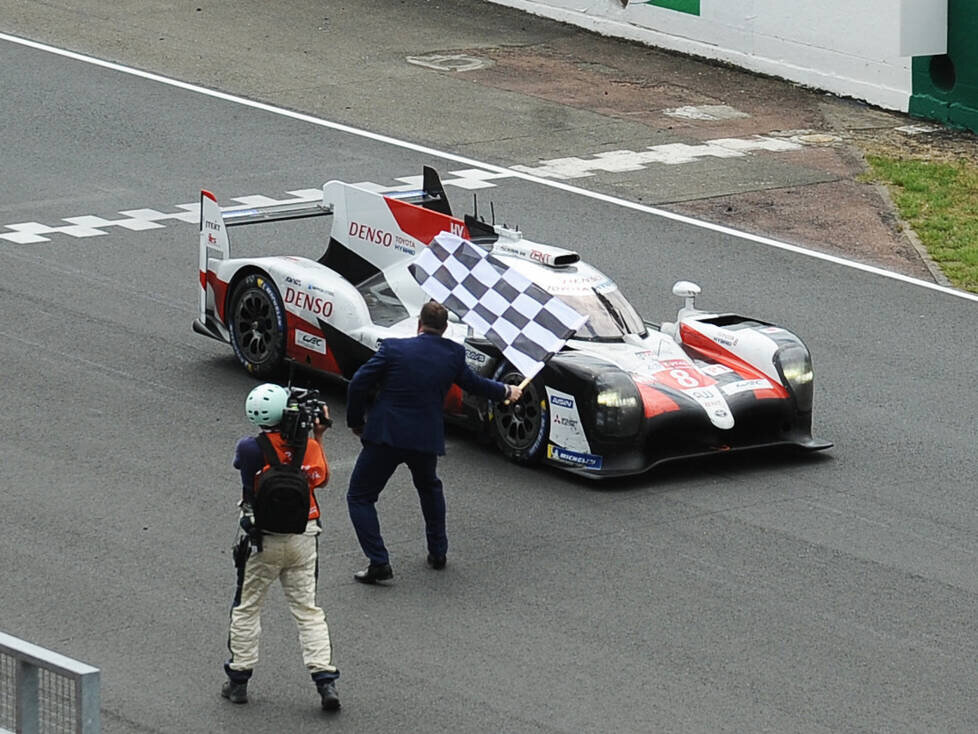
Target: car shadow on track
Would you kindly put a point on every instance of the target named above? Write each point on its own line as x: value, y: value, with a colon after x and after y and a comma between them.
x: 741, y: 465
x: 667, y: 476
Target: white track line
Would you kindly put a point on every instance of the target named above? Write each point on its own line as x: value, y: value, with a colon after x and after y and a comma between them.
x: 487, y: 166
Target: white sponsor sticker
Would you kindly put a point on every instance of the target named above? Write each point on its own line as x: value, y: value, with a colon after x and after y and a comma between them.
x: 312, y: 342
x: 715, y: 369
x: 725, y: 338
x: 565, y: 422
x: 713, y: 404
x: 734, y: 388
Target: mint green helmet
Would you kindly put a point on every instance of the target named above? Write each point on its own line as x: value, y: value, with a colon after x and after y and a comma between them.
x: 264, y: 404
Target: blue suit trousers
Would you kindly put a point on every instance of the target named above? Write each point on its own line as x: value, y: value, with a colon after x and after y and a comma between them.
x: 373, y: 469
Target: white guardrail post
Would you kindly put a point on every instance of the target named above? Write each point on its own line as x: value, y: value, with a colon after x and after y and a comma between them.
x: 76, y: 706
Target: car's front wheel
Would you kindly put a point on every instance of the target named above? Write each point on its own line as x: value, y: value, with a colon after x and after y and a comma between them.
x: 257, y: 325
x: 520, y: 429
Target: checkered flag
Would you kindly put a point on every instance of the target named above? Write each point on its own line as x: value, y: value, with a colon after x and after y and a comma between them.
x: 528, y: 324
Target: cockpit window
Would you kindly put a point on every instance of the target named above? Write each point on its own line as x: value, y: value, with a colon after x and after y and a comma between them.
x: 610, y: 316
x: 384, y: 306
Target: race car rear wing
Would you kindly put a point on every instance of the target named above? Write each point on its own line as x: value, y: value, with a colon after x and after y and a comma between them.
x: 214, y: 220
x: 431, y: 195
x: 233, y: 216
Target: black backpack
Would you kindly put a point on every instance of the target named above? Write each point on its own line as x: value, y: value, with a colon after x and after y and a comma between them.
x: 281, y: 500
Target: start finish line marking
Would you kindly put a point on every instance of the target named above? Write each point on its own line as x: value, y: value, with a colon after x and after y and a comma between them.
x: 470, y: 179
x: 137, y: 220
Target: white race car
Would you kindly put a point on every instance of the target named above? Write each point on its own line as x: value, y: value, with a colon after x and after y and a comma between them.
x: 622, y: 396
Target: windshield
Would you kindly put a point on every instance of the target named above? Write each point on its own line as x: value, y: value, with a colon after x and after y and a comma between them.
x: 610, y: 316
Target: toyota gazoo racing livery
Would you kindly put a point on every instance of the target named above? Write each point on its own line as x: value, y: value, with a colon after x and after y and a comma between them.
x: 622, y: 396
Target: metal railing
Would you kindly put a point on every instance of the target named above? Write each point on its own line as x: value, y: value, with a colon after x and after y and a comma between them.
x: 42, y: 691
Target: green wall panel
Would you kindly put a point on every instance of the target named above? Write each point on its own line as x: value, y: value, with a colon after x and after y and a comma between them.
x: 683, y: 6
x: 945, y: 88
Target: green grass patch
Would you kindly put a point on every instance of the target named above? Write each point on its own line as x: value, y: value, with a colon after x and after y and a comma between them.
x: 939, y: 200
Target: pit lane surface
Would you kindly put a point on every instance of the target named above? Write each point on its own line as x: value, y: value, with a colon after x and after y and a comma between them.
x: 832, y: 593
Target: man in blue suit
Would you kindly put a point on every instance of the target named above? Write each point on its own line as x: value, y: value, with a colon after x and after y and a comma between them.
x: 405, y: 425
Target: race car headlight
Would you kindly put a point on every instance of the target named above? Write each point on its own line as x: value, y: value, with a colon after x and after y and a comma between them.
x: 618, y: 405
x: 795, y: 365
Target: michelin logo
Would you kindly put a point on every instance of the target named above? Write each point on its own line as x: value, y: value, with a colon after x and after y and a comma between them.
x: 585, y: 461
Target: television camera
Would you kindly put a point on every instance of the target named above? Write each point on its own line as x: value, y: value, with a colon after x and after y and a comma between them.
x: 302, y: 410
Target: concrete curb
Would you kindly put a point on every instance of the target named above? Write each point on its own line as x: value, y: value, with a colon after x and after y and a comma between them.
x: 907, y: 233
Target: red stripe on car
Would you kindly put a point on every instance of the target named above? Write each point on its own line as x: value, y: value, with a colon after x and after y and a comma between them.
x: 711, y: 350
x: 220, y: 289
x: 654, y: 400
x: 453, y: 400
x: 325, y: 362
x: 423, y: 224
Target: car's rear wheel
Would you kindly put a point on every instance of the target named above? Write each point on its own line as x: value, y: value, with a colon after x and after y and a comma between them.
x: 257, y: 324
x: 520, y: 429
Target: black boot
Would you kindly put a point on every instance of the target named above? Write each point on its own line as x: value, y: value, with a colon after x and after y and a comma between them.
x: 235, y: 692
x: 327, y: 692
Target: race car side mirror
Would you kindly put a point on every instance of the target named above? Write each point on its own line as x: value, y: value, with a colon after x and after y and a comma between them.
x: 687, y: 290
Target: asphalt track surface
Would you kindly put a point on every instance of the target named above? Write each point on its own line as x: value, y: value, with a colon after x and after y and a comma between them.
x: 834, y: 592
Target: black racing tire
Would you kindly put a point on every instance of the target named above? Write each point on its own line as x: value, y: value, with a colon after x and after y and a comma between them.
x: 256, y: 320
x: 520, y: 430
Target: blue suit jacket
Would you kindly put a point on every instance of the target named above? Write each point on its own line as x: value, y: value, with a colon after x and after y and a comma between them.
x: 414, y: 376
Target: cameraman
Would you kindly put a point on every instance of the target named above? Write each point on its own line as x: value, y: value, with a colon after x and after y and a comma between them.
x: 262, y: 557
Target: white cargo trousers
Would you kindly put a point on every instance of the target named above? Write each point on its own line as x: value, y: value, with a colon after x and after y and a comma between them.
x: 292, y: 559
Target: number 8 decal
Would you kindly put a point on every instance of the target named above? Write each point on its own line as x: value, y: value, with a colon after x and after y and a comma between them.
x: 684, y: 378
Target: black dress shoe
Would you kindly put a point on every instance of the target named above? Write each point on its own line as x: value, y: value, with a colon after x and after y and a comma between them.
x: 374, y: 573
x: 436, y: 562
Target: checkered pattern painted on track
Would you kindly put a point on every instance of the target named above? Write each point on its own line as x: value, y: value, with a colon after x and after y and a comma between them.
x: 137, y: 220
x: 470, y: 179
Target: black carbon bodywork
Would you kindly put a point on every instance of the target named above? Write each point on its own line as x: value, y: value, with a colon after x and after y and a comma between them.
x: 676, y: 435
x: 348, y: 353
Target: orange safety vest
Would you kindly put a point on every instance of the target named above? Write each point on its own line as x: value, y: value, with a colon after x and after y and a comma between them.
x: 314, y: 465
